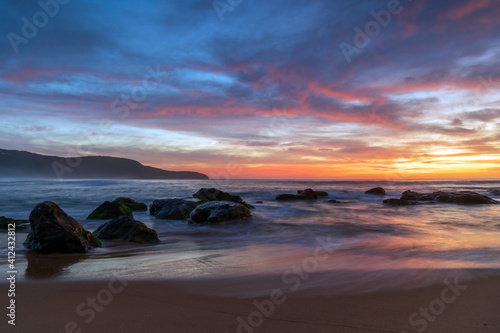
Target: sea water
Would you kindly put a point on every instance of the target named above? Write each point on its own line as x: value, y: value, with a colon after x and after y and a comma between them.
x: 358, y: 234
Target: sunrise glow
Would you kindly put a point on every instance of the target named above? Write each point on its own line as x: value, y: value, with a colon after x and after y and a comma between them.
x: 260, y: 91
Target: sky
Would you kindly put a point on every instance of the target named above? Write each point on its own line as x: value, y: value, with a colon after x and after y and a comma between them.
x: 324, y: 89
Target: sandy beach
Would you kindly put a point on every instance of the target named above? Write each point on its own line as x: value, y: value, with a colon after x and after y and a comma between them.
x: 193, y: 306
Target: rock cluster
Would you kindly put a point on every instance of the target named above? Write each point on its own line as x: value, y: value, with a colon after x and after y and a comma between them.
x: 458, y: 197
x: 214, y: 206
x: 307, y: 194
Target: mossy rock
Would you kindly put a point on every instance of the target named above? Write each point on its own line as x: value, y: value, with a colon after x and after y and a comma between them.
x: 131, y: 203
x: 20, y: 224
x: 109, y: 210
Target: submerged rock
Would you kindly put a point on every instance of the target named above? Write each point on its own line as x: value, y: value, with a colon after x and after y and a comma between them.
x: 310, y: 192
x: 172, y: 209
x: 416, y: 196
x: 52, y: 230
x: 109, y: 210
x: 213, y: 194
x: 306, y: 194
x: 333, y: 201
x: 460, y: 197
x: 398, y: 202
x: 376, y: 190
x: 130, y: 203
x: 294, y: 197
x: 463, y: 197
x: 20, y: 224
x: 127, y: 228
x: 495, y: 192
x: 218, y: 211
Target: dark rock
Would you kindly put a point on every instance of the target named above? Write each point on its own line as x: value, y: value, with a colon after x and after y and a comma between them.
x: 333, y: 201
x: 398, y: 202
x: 443, y: 196
x: 293, y: 197
x: 126, y: 228
x: 218, y: 211
x: 213, y: 194
x: 463, y: 197
x: 259, y: 202
x: 495, y: 192
x: 109, y: 210
x: 308, y: 193
x: 172, y: 209
x: 52, y: 230
x: 410, y: 195
x: 376, y: 190
x: 460, y: 197
x: 131, y: 203
x: 312, y: 193
x: 20, y: 224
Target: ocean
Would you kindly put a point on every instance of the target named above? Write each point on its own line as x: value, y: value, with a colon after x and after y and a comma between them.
x: 372, y: 241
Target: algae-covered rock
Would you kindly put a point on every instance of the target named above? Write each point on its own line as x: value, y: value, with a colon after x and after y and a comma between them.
x: 109, y: 210
x: 132, y: 204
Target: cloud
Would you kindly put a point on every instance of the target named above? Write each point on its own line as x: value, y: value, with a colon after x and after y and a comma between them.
x: 229, y: 83
x: 485, y: 115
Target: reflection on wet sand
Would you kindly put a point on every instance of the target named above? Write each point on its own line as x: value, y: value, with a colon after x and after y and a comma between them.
x: 43, y: 266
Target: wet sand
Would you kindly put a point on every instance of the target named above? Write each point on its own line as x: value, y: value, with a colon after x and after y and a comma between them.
x: 117, y: 305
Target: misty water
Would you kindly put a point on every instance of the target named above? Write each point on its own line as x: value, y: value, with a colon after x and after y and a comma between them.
x: 361, y: 240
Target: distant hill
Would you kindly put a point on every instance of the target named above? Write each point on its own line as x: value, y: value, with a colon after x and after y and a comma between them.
x: 15, y: 163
